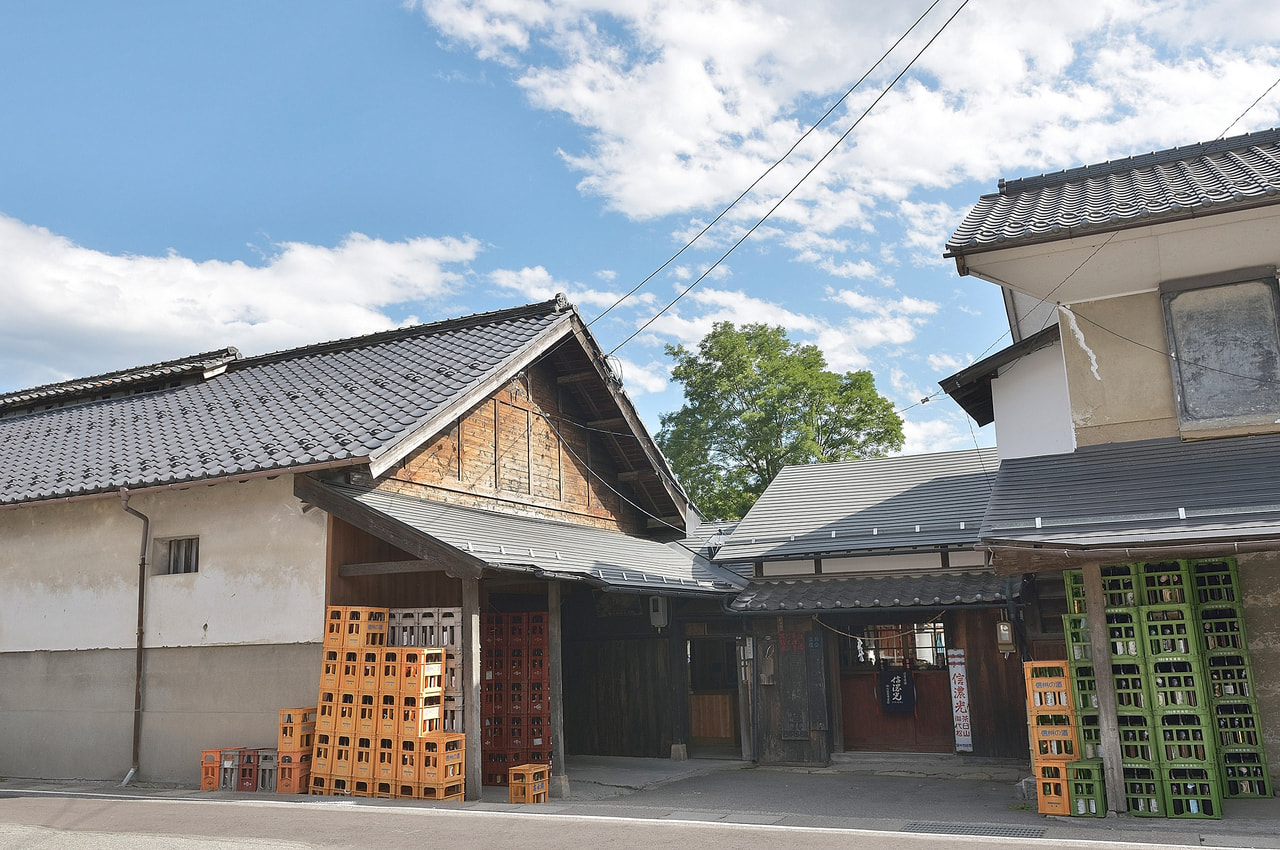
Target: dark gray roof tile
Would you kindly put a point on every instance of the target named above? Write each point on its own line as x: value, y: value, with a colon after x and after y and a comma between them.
x: 1218, y: 176
x: 276, y: 411
x: 850, y: 593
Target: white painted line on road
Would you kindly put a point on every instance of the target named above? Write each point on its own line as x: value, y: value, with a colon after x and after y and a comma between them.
x: 372, y: 806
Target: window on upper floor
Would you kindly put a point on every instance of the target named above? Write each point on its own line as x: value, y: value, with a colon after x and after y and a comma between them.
x: 183, y: 555
x: 1224, y: 338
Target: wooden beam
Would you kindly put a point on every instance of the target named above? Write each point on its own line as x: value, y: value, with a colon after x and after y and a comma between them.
x: 380, y: 568
x: 1100, y: 652
x: 637, y: 474
x: 614, y: 422
x: 559, y: 780
x: 665, y: 522
x: 578, y: 377
x: 471, y: 686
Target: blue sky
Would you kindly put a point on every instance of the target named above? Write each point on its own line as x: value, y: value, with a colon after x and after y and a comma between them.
x: 182, y: 177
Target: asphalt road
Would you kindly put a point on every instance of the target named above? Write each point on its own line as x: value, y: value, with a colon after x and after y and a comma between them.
x: 86, y: 823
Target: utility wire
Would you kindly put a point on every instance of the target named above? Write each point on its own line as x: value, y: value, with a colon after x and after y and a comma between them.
x: 1250, y: 109
x: 770, y: 169
x: 799, y: 183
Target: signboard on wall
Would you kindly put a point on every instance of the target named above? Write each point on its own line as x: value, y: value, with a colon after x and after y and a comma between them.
x: 793, y: 681
x: 960, y: 700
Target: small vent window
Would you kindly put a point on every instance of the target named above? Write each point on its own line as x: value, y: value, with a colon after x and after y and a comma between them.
x: 184, y: 555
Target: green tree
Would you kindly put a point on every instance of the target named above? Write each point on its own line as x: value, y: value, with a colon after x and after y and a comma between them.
x: 755, y: 402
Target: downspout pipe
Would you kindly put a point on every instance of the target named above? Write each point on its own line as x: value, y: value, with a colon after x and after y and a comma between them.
x: 142, y: 598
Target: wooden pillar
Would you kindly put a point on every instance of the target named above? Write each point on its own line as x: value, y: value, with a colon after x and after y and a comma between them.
x: 559, y: 779
x: 1100, y: 651
x: 678, y: 660
x: 471, y: 684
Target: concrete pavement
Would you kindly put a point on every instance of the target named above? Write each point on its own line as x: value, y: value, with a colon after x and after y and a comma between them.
x: 891, y: 792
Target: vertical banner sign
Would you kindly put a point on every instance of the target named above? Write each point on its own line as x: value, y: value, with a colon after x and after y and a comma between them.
x: 960, y: 700
x: 793, y: 686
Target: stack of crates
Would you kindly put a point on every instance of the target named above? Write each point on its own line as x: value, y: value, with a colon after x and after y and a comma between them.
x: 515, y: 714
x: 1188, y: 722
x: 295, y: 738
x: 378, y: 727
x: 1233, y: 707
x: 1177, y: 686
x: 238, y: 769
x: 1054, y: 737
x: 438, y: 628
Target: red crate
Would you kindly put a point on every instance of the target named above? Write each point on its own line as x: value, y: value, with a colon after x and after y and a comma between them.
x: 493, y: 667
x: 515, y: 698
x: 538, y: 731
x: 247, y: 777
x: 516, y: 669
x: 515, y: 631
x: 335, y: 622
x: 516, y: 733
x: 536, y: 669
x: 495, y: 768
x: 536, y: 701
x: 493, y: 698
x: 542, y: 756
x: 249, y: 756
x: 493, y: 733
x: 493, y: 629
x: 536, y: 630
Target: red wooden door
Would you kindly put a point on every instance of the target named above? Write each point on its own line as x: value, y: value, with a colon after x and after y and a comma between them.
x: 867, y: 727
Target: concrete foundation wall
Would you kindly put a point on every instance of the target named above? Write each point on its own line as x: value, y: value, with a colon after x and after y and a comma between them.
x: 1262, y: 623
x: 69, y: 715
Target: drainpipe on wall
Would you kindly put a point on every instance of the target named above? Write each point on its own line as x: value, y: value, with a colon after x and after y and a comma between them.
x: 142, y: 596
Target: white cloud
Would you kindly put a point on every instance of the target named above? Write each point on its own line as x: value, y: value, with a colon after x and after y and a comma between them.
x: 682, y: 106
x: 946, y: 363
x: 65, y: 304
x: 538, y: 284
x: 640, y: 380
x: 940, y: 435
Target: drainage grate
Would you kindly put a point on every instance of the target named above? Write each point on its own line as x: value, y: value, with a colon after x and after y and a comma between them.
x: 975, y: 829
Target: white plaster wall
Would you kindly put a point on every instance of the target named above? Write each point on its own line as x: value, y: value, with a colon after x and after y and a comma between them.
x: 68, y: 571
x: 1033, y: 406
x: 913, y: 562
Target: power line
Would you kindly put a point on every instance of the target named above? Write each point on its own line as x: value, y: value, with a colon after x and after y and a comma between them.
x: 1250, y: 109
x: 799, y: 183
x: 770, y: 169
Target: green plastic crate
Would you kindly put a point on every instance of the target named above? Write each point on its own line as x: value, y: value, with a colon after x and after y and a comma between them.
x: 1191, y: 791
x: 1086, y: 792
x: 1143, y: 790
x: 1216, y: 581
x: 1244, y: 773
x: 1165, y: 583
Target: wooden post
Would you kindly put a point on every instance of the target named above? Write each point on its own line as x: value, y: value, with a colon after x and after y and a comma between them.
x: 678, y: 658
x: 559, y: 780
x: 1100, y: 650
x: 471, y: 685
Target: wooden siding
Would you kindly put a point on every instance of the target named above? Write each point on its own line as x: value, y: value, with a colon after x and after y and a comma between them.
x: 997, y: 694
x: 525, y: 449
x: 790, y: 694
x: 350, y: 545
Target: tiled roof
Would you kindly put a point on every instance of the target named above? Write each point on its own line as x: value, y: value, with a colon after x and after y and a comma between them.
x: 123, y: 380
x: 1143, y: 493
x: 344, y: 401
x: 824, y: 593
x: 884, y: 503
x: 508, y: 542
x: 1195, y: 180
